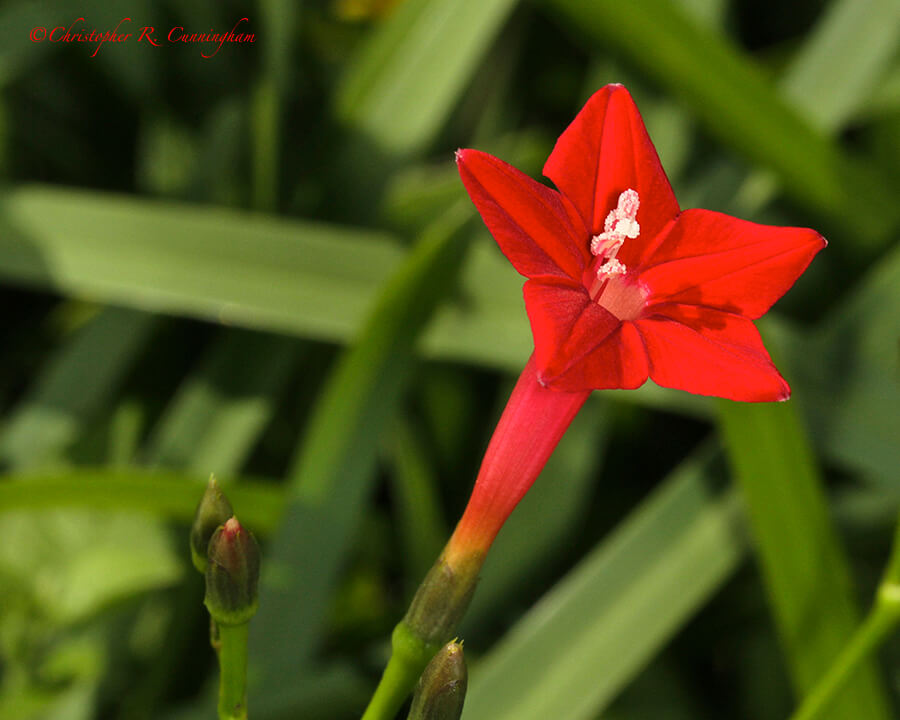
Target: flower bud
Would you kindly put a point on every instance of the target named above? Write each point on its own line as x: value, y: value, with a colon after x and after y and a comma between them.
x: 442, y: 688
x: 212, y: 511
x: 232, y: 574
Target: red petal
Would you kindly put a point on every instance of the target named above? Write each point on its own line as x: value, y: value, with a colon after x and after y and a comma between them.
x: 710, y: 259
x: 579, y: 345
x: 528, y: 220
x: 605, y: 151
x: 709, y: 352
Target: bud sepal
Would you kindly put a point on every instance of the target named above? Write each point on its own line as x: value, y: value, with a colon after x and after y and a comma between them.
x: 443, y: 597
x: 212, y: 511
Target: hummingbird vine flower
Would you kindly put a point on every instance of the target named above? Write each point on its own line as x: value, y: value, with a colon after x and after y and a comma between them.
x: 622, y: 286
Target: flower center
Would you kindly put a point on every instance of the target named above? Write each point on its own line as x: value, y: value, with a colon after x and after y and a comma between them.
x: 608, y: 283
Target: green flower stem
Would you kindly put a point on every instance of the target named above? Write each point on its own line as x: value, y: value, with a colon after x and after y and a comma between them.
x: 881, y: 621
x: 409, y: 656
x: 233, y: 672
x: 430, y: 622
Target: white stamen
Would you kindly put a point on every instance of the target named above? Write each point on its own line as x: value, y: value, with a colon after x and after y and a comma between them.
x: 620, y: 224
x: 611, y: 267
x: 629, y: 202
x: 624, y: 297
x: 606, y: 244
x: 628, y: 227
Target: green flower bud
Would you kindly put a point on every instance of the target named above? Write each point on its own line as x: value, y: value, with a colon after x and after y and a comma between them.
x: 442, y: 687
x: 232, y: 574
x: 213, y: 510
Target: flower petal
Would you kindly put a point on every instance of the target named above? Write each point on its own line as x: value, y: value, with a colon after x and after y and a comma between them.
x: 718, y: 261
x: 579, y: 345
x: 709, y: 352
x: 605, y: 151
x: 528, y: 220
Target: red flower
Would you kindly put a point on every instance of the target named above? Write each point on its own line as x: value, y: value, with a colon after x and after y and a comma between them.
x: 622, y: 284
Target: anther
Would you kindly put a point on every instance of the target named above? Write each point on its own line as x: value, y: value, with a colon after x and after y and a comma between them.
x: 620, y: 224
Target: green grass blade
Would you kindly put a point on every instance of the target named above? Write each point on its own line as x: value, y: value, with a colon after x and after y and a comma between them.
x: 219, y: 412
x: 401, y: 87
x: 832, y: 76
x: 852, y: 394
x: 279, y: 23
x: 168, y: 494
x: 600, y: 625
x: 422, y: 527
x: 803, y: 564
x: 73, y: 387
x: 333, y: 472
x: 843, y: 60
x: 216, y: 264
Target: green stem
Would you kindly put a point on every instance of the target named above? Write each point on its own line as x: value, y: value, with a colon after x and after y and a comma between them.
x: 265, y: 109
x: 878, y: 625
x: 409, y: 656
x: 233, y: 672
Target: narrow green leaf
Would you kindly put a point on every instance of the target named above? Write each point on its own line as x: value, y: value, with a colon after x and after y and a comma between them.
x: 72, y: 388
x: 832, y: 76
x: 278, y: 19
x: 400, y: 88
x: 220, y: 265
x: 598, y: 627
x: 852, y: 393
x: 423, y: 529
x: 219, y: 412
x: 843, y: 60
x: 803, y: 564
x: 18, y: 50
x: 332, y: 474
x: 73, y: 564
x: 170, y: 495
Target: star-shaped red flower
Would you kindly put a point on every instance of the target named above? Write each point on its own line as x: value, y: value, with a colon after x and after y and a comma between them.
x: 622, y: 284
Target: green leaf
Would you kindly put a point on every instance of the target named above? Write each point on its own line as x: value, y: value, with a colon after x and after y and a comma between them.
x: 422, y: 527
x: 832, y: 76
x: 850, y: 361
x: 216, y: 264
x: 803, y: 564
x: 279, y: 22
x: 18, y: 50
x: 73, y: 387
x: 168, y: 495
x: 219, y: 412
x: 333, y: 473
x: 74, y: 563
x: 599, y: 625
x: 400, y: 88
x: 843, y: 60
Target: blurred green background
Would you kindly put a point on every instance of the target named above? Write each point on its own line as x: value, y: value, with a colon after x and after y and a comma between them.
x: 263, y: 265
